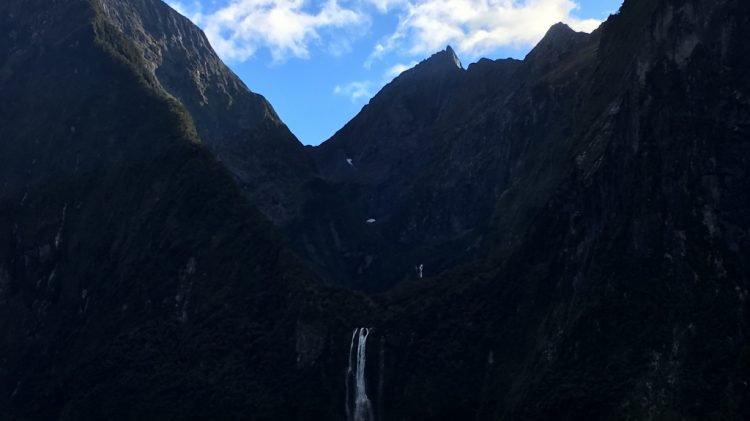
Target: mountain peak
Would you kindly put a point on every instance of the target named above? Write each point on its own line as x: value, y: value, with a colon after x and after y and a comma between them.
x: 445, y: 59
x: 559, y: 39
x: 449, y: 51
x: 558, y: 34
x: 559, y: 28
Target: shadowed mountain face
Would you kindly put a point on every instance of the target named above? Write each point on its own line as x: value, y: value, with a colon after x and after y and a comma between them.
x: 582, y: 218
x: 431, y: 154
x: 135, y: 280
x: 603, y: 182
x: 615, y: 280
x: 240, y: 127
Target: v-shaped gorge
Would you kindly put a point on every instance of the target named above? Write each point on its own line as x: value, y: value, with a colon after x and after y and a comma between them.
x: 567, y: 234
x: 322, y: 198
x: 407, y: 188
x: 409, y: 183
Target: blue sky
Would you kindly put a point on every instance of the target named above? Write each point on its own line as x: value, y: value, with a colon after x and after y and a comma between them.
x: 319, y: 61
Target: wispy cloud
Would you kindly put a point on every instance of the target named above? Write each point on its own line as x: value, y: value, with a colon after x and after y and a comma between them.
x: 286, y: 28
x: 385, y: 5
x: 238, y: 29
x: 360, y: 91
x: 472, y: 27
x: 397, y: 69
x: 191, y: 11
x: 355, y: 90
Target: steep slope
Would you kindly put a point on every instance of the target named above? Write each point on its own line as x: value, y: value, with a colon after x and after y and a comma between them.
x: 618, y: 280
x: 382, y: 140
x: 601, y: 184
x: 240, y: 127
x: 243, y: 131
x: 437, y: 147
x: 135, y: 280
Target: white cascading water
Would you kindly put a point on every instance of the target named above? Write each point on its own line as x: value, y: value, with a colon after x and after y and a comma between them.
x: 362, y: 408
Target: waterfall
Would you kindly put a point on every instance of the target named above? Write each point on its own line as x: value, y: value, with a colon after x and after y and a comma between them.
x: 349, y: 377
x: 362, y: 408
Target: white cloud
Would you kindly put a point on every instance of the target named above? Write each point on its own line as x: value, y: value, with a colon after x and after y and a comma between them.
x: 192, y: 12
x: 355, y: 90
x: 365, y: 89
x: 289, y: 28
x: 397, y: 69
x: 286, y: 28
x: 473, y: 27
x: 385, y: 5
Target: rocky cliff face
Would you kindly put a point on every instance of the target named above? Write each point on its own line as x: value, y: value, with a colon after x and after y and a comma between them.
x: 238, y: 126
x: 135, y: 279
x: 582, y: 217
x: 433, y: 152
x: 616, y: 285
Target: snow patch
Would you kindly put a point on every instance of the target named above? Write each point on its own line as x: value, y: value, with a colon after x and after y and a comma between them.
x: 350, y: 162
x: 371, y: 221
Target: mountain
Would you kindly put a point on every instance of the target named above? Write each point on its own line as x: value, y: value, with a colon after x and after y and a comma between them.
x: 238, y: 126
x: 614, y: 282
x: 602, y: 183
x: 243, y: 131
x: 555, y: 238
x: 434, y: 150
x: 136, y: 280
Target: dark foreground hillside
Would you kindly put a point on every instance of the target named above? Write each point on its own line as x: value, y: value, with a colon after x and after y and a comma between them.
x: 135, y: 280
x: 582, y: 216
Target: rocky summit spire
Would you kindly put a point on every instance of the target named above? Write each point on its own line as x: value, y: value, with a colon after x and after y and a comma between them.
x: 449, y: 51
x: 445, y: 59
